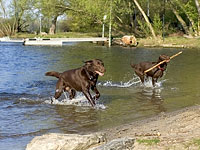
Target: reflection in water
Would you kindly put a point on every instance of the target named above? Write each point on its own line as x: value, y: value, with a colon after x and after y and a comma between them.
x: 154, y: 96
x: 72, y: 118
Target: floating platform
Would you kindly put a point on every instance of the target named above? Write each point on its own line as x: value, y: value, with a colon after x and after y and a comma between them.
x: 42, y: 41
x: 60, y: 41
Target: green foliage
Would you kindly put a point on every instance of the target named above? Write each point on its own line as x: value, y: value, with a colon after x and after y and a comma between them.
x: 144, y: 28
x: 7, y: 27
x: 22, y: 12
x: 123, y: 15
x: 148, y: 141
x: 157, y: 25
x: 87, y: 15
x: 191, y: 11
x: 49, y: 8
x: 197, y: 142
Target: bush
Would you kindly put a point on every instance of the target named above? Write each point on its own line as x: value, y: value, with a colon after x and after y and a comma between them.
x: 7, y: 27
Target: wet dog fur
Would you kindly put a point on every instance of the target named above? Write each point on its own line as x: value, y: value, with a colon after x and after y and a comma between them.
x: 154, y: 73
x: 81, y: 79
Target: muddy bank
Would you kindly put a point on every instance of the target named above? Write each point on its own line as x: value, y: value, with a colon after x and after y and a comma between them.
x: 174, y: 130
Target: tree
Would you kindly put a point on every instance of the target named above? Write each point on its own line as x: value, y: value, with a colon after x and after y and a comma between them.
x: 179, y: 18
x: 51, y: 9
x: 188, y: 10
x: 198, y: 10
x: 3, y: 8
x: 21, y: 11
x: 146, y: 18
x: 87, y: 14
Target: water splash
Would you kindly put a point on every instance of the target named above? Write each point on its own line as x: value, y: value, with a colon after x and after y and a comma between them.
x: 148, y: 83
x: 133, y: 81
x: 79, y: 100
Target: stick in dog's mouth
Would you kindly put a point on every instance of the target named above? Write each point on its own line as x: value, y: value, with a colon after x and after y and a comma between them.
x: 99, y: 73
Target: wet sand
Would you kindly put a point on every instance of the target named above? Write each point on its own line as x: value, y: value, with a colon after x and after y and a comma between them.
x: 174, y: 130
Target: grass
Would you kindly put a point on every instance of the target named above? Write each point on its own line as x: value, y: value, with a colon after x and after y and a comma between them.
x: 197, y: 142
x: 175, y: 40
x: 57, y: 35
x: 194, y: 142
x: 148, y: 141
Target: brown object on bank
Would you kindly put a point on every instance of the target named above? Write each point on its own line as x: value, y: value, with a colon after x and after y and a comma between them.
x: 129, y: 40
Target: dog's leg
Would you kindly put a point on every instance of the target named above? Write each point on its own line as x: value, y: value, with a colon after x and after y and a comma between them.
x: 52, y: 99
x: 59, y: 88
x: 72, y: 93
x: 87, y: 94
x: 153, y: 82
x: 140, y: 74
x: 94, y: 89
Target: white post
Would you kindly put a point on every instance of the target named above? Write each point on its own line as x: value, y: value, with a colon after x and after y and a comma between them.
x: 40, y: 24
x: 103, y: 30
x: 148, y: 8
x: 109, y: 44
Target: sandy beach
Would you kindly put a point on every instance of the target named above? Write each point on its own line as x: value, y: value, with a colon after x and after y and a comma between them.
x: 175, y: 130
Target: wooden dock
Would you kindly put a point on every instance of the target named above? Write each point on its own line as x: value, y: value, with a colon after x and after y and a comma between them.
x: 60, y: 41
x: 8, y: 40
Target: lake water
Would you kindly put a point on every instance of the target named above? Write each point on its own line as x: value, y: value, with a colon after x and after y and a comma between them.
x: 25, y: 109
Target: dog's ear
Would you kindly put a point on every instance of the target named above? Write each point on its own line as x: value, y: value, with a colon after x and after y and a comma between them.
x: 89, y: 62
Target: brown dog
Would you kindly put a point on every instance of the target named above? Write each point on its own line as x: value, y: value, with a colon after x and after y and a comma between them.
x: 154, y: 73
x: 81, y: 79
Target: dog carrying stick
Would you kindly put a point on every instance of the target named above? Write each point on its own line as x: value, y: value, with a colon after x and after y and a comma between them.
x: 162, y: 62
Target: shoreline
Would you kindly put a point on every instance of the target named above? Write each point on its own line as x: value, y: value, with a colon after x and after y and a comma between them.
x: 167, y: 42
x: 171, y: 42
x: 173, y: 130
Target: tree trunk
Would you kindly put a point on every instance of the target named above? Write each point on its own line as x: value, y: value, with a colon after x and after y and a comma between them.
x: 184, y: 25
x: 146, y: 19
x: 198, y: 6
x: 198, y: 9
x: 52, y: 29
x: 192, y: 28
x: 3, y: 8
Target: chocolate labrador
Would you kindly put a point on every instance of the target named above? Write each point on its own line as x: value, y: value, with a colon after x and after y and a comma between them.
x: 81, y: 79
x: 154, y: 73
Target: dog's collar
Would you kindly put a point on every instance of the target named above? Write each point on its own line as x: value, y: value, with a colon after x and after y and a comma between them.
x: 160, y: 68
x: 88, y: 75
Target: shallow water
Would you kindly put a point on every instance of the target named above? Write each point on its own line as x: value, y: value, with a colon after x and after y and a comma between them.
x: 26, y: 111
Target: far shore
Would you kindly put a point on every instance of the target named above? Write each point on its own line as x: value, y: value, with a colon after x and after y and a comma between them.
x: 165, y: 42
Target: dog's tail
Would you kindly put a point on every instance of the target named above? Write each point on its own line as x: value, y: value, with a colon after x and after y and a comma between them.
x: 53, y: 73
x: 132, y: 65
